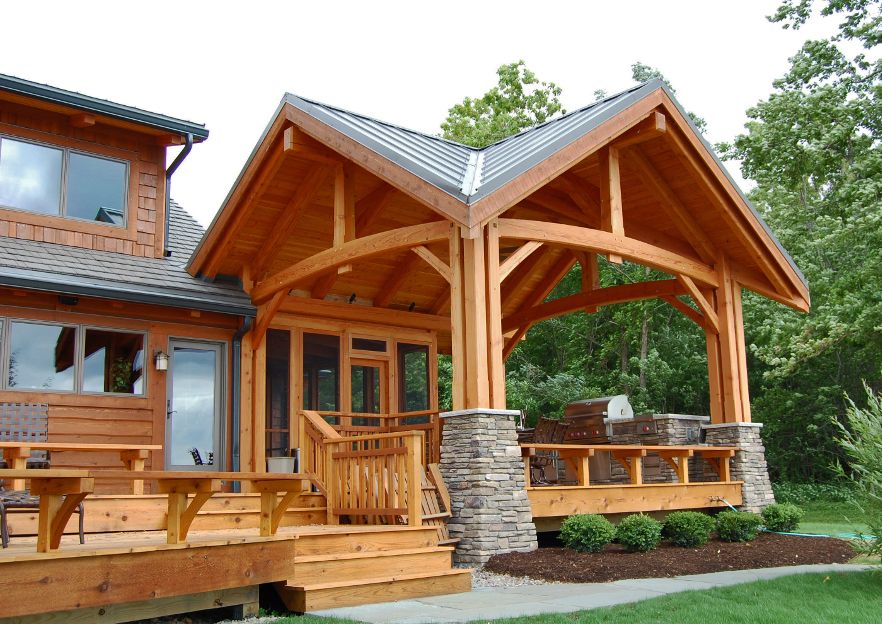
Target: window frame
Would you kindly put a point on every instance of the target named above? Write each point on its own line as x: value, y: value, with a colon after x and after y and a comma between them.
x: 66, y: 151
x: 79, y: 356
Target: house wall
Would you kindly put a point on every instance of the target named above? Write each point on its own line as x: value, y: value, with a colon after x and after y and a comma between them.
x: 143, y: 234
x: 109, y: 418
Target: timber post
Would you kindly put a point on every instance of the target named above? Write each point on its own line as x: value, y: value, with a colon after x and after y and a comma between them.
x: 480, y: 456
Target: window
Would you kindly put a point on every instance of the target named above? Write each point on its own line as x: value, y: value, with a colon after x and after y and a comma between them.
x: 61, y: 181
x: 113, y: 362
x: 47, y: 356
x: 321, y: 368
x: 278, y: 364
x: 413, y: 377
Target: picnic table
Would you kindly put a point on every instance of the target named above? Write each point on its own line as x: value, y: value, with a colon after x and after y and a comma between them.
x: 16, y: 454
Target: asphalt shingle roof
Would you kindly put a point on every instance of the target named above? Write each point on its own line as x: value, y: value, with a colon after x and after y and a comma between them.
x: 87, y: 272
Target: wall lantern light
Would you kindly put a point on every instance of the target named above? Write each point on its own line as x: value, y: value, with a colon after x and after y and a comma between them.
x: 160, y: 360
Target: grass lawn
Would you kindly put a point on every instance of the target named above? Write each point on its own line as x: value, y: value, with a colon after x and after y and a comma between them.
x: 852, y: 598
x: 830, y: 518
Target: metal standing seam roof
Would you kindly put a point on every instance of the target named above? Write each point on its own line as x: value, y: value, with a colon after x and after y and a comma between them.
x: 69, y: 270
x: 102, y: 107
x: 469, y: 174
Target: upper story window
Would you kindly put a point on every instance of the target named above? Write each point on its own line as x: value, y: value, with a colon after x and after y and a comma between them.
x: 62, y: 181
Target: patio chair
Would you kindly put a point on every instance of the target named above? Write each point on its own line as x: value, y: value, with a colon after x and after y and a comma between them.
x: 548, y: 431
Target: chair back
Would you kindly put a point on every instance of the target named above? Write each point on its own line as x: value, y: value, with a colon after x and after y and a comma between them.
x: 26, y: 422
x: 544, y: 432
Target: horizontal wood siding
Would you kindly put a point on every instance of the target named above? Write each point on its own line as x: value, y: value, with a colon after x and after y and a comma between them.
x: 116, y: 419
x: 142, y: 235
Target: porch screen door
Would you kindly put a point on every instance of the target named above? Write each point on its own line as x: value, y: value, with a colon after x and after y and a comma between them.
x: 195, y: 406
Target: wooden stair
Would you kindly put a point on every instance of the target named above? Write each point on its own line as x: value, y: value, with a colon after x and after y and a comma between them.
x: 335, y: 567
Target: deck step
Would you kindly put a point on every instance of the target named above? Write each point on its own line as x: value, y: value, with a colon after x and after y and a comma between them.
x: 383, y: 538
x: 304, y: 598
x: 386, y: 563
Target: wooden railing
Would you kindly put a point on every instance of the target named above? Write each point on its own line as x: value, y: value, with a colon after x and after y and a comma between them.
x: 357, y: 424
x: 631, y: 459
x: 372, y: 478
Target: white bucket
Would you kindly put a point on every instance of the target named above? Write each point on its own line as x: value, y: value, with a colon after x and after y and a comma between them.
x: 281, y: 464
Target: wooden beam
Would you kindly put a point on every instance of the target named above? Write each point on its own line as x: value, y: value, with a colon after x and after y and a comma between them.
x: 363, y: 248
x: 396, y: 280
x: 457, y: 323
x: 245, y: 203
x: 545, y: 202
x: 302, y: 306
x: 690, y: 312
x: 283, y: 228
x: 344, y: 209
x: 745, y: 226
x: 584, y: 195
x: 323, y: 286
x: 650, y: 128
x: 512, y: 342
x: 590, y: 275
x: 604, y: 242
x: 495, y: 342
x: 611, y: 197
x: 388, y: 171
x: 371, y: 206
x: 521, y: 254
x: 603, y: 296
x: 672, y: 205
x: 474, y: 297
x: 522, y: 273
x: 300, y: 145
x: 81, y: 120
x: 433, y: 261
x: 711, y: 320
x: 265, y: 314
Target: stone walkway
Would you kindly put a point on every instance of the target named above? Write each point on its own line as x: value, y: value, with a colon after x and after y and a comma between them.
x: 503, y: 602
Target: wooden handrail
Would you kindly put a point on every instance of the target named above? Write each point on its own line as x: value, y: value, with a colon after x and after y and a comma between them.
x: 375, y: 436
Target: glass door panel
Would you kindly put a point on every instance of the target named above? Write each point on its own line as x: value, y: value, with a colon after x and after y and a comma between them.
x: 194, y: 415
x: 369, y: 386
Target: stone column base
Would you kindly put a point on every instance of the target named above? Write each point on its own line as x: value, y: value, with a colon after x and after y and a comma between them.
x: 749, y: 464
x: 482, y: 467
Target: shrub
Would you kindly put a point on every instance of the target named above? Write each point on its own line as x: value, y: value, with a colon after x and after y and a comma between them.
x: 639, y: 533
x: 738, y: 526
x: 783, y: 517
x: 861, y: 440
x: 688, y: 528
x: 587, y: 532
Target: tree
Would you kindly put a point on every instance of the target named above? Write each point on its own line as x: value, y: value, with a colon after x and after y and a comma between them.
x: 813, y: 147
x: 518, y: 101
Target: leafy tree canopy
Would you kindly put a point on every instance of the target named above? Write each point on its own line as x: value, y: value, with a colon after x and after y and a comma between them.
x: 518, y: 101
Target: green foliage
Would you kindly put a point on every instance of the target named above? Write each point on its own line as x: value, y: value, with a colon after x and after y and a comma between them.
x: 639, y: 533
x: 518, y: 101
x: 813, y: 148
x: 802, y: 493
x: 861, y: 439
x: 688, y: 528
x: 587, y: 532
x: 738, y: 526
x: 784, y: 517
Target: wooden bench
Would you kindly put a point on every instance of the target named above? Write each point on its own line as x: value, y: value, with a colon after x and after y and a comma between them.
x: 61, y: 491
x: 202, y: 484
x: 631, y: 458
x: 132, y: 456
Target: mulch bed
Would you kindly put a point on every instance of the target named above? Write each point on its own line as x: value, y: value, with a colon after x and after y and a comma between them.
x: 615, y: 563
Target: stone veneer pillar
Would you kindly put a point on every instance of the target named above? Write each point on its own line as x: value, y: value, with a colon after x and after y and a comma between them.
x: 749, y: 464
x: 482, y: 467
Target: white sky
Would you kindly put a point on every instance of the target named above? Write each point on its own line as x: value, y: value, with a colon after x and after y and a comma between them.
x: 228, y: 64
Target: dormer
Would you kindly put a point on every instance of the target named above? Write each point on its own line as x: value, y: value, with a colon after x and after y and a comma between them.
x: 80, y: 171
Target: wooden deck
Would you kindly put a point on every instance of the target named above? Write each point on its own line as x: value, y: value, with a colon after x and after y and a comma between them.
x: 117, y: 577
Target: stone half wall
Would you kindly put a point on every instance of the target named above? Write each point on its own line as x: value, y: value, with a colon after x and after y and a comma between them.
x: 749, y: 464
x: 482, y: 467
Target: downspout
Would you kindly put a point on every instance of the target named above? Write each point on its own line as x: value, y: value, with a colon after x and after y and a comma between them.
x: 168, y: 174
x: 237, y: 393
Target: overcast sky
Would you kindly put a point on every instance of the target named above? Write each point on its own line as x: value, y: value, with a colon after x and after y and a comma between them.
x: 228, y: 64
